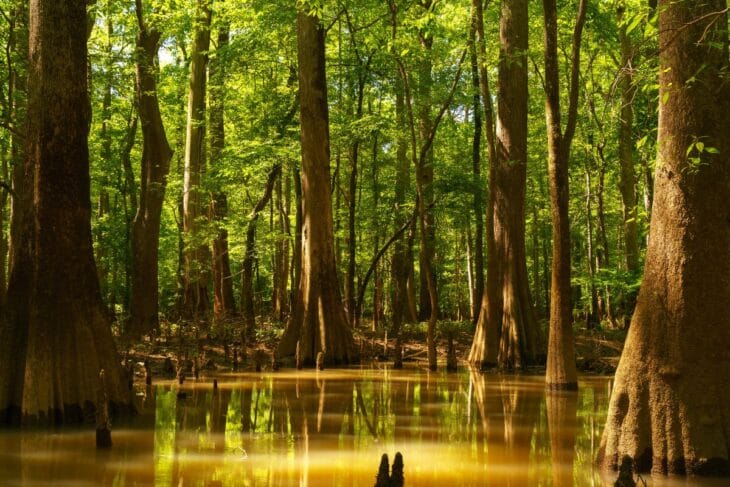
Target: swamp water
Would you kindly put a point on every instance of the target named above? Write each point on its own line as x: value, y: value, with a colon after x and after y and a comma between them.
x: 330, y: 428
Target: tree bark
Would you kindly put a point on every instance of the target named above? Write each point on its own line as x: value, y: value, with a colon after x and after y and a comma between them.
x: 197, y: 254
x: 477, y: 290
x: 670, y: 406
x: 155, y: 165
x: 56, y: 335
x: 518, y: 335
x: 561, y: 370
x: 318, y: 320
x: 224, y: 305
x: 627, y: 178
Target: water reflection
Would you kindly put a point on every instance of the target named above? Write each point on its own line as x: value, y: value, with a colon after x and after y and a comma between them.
x: 330, y: 428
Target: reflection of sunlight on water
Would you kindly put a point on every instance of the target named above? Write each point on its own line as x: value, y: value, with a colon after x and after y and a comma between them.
x: 330, y: 428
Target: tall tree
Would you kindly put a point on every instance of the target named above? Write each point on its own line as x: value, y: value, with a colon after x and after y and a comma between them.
x: 670, y: 406
x: 627, y: 180
x: 197, y: 254
x: 155, y: 165
x: 56, y: 335
x: 224, y: 305
x: 561, y: 370
x: 318, y: 322
x: 517, y: 346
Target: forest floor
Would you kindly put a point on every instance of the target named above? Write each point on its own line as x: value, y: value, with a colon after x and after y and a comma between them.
x: 187, y: 351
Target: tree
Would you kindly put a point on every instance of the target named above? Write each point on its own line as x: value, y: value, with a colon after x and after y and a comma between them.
x: 507, y: 328
x: 224, y: 305
x: 561, y: 370
x: 155, y: 165
x: 318, y: 322
x: 196, y: 255
x: 517, y: 345
x: 670, y: 406
x: 56, y: 335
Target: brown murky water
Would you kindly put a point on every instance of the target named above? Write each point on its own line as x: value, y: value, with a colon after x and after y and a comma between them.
x: 330, y: 428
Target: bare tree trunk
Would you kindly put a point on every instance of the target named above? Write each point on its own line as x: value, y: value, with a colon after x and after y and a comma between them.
x: 281, y: 271
x: 197, y: 254
x: 561, y: 370
x: 477, y: 290
x: 485, y: 345
x: 224, y: 305
x: 155, y: 165
x: 318, y: 320
x: 670, y: 406
x: 56, y: 335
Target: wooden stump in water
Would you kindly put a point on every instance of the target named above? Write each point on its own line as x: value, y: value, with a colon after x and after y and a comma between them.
x: 320, y: 360
x: 451, y: 363
x: 169, y: 368
x: 180, y: 373
x: 196, y: 372
x: 103, y: 425
x: 275, y: 364
x: 383, y: 477
x: 398, y: 360
x: 394, y: 478
x: 625, y: 473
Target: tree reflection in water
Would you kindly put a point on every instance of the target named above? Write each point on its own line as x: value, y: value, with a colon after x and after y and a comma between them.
x: 330, y: 428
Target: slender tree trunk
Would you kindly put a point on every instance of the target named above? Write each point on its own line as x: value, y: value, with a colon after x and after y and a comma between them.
x: 155, y: 165
x: 224, y: 305
x: 485, y: 345
x: 477, y: 290
x: 247, y: 277
x: 670, y: 406
x: 592, y: 317
x: 402, y: 259
x: 350, y: 288
x: 627, y: 178
x: 56, y: 336
x: 318, y: 320
x: 281, y: 272
x: 561, y: 370
x: 197, y: 254
x: 425, y: 171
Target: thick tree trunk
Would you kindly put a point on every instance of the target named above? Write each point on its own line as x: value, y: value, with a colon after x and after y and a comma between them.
x: 318, y: 320
x: 561, y: 370
x: 224, y: 305
x: 56, y: 336
x: 155, y: 165
x: 517, y: 346
x: 197, y: 253
x: 670, y: 407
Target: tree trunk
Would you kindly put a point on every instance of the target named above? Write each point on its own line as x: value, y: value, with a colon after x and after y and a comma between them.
x: 561, y: 370
x: 196, y: 255
x: 477, y: 290
x: 402, y: 259
x: 155, y: 165
x: 670, y: 406
x: 627, y: 178
x: 247, y: 278
x: 517, y: 347
x: 224, y: 305
x: 425, y: 179
x: 318, y: 320
x: 56, y: 335
x: 281, y: 271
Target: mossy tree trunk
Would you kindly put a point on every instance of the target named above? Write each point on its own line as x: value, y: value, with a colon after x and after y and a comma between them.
x: 56, y: 335
x: 670, y: 406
